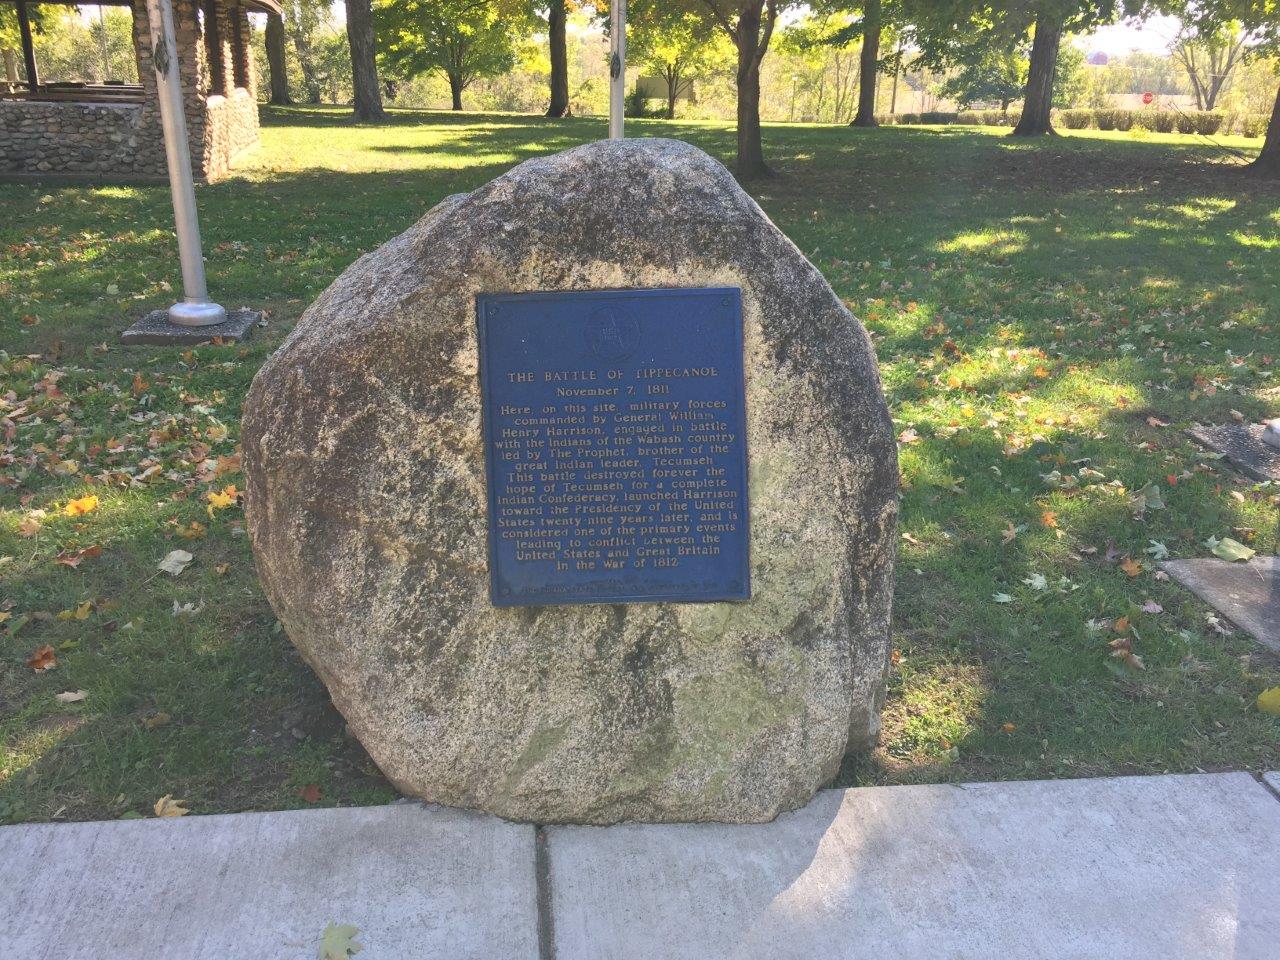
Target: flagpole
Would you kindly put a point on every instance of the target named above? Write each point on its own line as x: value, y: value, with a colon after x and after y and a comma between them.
x: 617, y: 66
x: 196, y: 309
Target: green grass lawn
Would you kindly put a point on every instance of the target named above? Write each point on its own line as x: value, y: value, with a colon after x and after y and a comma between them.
x: 1048, y: 315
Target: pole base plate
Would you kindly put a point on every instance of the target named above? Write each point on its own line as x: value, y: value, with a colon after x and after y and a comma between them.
x: 157, y: 329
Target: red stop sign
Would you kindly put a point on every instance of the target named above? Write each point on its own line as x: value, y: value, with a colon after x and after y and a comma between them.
x: 1148, y: 97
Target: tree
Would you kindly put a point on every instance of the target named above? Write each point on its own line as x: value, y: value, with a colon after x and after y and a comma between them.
x: 277, y: 61
x: 1069, y: 78
x: 1209, y: 58
x: 677, y: 48
x: 819, y: 46
x: 987, y: 73
x: 459, y: 39
x: 1260, y: 19
x: 303, y: 20
x: 557, y: 22
x: 749, y: 24
x: 945, y: 26
x: 367, y: 93
x: 873, y: 19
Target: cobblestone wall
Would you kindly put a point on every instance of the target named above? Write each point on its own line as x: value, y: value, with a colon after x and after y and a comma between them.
x: 231, y: 127
x: 125, y: 139
x: 111, y: 138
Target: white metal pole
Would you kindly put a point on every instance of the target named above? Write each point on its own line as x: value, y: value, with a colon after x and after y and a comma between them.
x: 617, y: 66
x: 196, y: 309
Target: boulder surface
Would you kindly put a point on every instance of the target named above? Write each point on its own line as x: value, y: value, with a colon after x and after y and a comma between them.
x: 366, y: 506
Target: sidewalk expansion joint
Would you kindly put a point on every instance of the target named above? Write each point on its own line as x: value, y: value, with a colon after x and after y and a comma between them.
x: 542, y: 879
x: 1266, y: 785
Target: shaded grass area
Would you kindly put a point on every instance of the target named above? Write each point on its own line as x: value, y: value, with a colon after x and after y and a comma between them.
x: 1048, y: 317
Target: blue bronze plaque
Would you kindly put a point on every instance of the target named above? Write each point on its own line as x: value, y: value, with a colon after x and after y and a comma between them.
x: 615, y: 442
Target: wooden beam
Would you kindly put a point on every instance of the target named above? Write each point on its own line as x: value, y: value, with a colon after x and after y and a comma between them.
x: 28, y: 47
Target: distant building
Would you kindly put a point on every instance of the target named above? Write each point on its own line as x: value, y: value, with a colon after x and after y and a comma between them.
x: 1097, y: 59
x: 113, y: 128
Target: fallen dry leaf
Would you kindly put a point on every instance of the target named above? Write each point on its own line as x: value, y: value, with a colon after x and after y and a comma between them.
x: 71, y: 696
x: 73, y: 558
x: 310, y: 793
x: 166, y: 806
x: 78, y: 508
x: 338, y: 942
x: 1131, y: 566
x: 79, y: 612
x: 44, y: 658
x: 1122, y: 647
x: 175, y: 562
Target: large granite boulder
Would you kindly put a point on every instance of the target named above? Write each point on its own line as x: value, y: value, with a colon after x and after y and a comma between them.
x: 367, y: 509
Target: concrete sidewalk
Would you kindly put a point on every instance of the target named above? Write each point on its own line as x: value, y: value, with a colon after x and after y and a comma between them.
x: 1143, y: 867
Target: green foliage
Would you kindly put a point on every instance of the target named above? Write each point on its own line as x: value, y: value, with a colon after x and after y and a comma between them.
x: 1075, y: 119
x: 1112, y: 119
x: 71, y: 47
x: 1070, y: 81
x: 678, y: 49
x: 1254, y: 124
x: 986, y: 74
x: 461, y: 39
x: 1157, y: 120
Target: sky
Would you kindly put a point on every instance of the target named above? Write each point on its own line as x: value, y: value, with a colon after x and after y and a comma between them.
x: 1153, y: 36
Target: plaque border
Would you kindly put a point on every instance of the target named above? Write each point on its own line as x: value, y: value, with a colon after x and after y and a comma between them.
x: 487, y: 299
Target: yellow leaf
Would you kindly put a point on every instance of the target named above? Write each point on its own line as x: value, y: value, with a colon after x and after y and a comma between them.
x: 78, y: 508
x: 80, y: 612
x: 222, y: 499
x: 1269, y: 701
x: 166, y: 806
x: 1131, y: 566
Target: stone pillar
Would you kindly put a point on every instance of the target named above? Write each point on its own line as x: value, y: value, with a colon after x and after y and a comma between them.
x: 243, y: 72
x: 193, y: 71
x: 224, y: 13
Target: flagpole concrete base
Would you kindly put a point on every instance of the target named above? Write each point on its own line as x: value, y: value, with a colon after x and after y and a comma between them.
x: 157, y: 329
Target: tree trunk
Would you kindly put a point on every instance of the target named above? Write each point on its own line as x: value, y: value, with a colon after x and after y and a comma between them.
x: 10, y: 68
x: 1037, y: 107
x: 897, y: 69
x: 869, y: 66
x: 276, y: 62
x: 559, y: 60
x: 364, y: 68
x: 455, y: 88
x: 1268, y: 162
x: 747, y: 39
x: 750, y: 147
x: 673, y: 91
